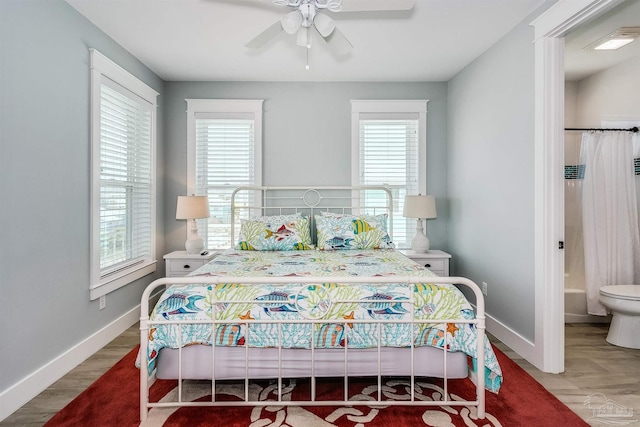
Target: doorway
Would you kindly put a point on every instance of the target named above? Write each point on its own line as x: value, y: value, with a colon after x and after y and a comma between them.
x: 550, y: 29
x: 599, y: 92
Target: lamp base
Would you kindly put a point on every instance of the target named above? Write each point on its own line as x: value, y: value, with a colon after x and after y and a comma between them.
x: 194, y: 243
x: 420, y: 242
x: 194, y: 246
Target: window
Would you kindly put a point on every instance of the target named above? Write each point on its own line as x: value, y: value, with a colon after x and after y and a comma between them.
x: 123, y: 120
x: 389, y: 148
x: 224, y: 140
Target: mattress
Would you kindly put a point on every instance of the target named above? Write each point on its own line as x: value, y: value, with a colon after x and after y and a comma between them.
x: 364, y: 320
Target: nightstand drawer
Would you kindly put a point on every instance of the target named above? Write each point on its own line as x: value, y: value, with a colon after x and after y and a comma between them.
x: 435, y: 260
x: 182, y: 267
x: 435, y: 265
x: 180, y: 263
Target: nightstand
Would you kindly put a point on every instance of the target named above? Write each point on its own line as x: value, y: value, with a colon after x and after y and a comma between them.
x: 180, y: 263
x: 434, y: 260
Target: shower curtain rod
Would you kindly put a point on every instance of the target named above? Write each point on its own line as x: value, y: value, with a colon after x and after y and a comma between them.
x: 633, y: 129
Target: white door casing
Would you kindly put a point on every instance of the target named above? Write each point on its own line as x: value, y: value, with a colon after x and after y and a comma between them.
x: 550, y: 29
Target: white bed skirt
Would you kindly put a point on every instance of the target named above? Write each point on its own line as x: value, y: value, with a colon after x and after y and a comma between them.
x: 296, y: 363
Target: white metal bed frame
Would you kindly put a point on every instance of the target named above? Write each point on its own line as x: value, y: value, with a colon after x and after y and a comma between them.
x: 146, y: 323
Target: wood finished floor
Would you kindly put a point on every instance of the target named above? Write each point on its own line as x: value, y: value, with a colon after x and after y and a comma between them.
x: 592, y: 366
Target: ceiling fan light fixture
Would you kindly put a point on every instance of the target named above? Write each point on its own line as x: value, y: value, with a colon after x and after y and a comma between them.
x: 324, y: 24
x: 308, y: 15
x: 619, y: 38
x: 303, y: 38
x: 291, y: 22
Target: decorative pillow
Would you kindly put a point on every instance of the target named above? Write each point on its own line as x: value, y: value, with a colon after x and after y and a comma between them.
x: 345, y: 231
x: 275, y: 233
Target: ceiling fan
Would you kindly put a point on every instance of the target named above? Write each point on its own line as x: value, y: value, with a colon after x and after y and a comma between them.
x: 306, y: 16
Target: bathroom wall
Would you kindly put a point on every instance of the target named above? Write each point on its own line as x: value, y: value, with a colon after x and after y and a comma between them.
x: 574, y: 258
x: 613, y: 94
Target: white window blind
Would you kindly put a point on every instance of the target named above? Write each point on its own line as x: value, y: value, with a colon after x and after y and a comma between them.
x: 125, y: 181
x: 390, y: 151
x: 224, y: 150
x: 225, y: 159
x: 123, y: 169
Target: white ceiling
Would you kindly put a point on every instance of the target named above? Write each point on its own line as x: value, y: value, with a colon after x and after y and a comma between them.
x: 203, y: 40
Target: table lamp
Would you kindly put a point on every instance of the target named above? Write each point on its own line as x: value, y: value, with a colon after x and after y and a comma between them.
x: 192, y: 208
x: 420, y: 207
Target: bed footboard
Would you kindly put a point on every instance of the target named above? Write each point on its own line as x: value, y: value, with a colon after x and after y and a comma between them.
x: 314, y: 321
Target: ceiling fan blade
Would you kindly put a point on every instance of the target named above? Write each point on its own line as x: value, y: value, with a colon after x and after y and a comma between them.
x: 338, y: 43
x: 376, y: 5
x: 266, y: 36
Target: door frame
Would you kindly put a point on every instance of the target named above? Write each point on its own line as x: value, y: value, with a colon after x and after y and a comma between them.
x: 550, y: 29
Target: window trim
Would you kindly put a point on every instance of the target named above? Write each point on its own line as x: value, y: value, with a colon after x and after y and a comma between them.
x: 361, y: 108
x: 226, y: 108
x: 103, y: 69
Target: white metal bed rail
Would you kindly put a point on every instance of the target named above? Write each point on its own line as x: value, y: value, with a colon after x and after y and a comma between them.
x: 479, y: 323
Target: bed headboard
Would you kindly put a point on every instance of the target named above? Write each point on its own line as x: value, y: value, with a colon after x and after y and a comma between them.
x: 249, y: 202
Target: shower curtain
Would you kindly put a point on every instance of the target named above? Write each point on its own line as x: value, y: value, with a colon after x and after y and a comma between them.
x: 609, y: 214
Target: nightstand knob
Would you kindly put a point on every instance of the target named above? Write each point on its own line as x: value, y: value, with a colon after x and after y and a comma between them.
x: 186, y: 266
x: 427, y: 265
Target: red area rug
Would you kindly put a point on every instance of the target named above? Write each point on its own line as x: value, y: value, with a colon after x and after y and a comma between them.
x: 113, y: 401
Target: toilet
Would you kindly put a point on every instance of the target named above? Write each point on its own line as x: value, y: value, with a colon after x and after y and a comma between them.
x: 624, y: 303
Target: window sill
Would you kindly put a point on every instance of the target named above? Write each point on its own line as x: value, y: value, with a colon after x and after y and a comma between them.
x: 124, y: 279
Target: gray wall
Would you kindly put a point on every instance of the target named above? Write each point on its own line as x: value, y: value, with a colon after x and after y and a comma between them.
x: 306, y: 136
x: 44, y: 184
x: 491, y: 186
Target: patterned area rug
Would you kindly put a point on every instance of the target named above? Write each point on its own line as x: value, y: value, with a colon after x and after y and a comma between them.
x: 113, y: 401
x: 361, y: 389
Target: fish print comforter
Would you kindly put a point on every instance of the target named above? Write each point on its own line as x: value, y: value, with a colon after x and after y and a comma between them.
x: 297, y: 301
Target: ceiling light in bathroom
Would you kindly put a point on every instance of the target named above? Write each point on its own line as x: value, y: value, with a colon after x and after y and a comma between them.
x: 619, y: 38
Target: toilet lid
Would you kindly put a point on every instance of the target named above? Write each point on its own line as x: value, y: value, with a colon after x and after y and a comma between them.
x: 628, y: 292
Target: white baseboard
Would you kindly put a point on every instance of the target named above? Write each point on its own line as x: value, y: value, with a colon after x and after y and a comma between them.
x: 36, y: 382
x: 511, y: 339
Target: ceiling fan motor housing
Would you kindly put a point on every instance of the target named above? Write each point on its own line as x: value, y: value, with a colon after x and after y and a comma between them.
x: 308, y: 11
x: 332, y: 5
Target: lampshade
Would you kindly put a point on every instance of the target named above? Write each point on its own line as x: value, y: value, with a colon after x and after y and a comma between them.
x: 191, y: 207
x: 419, y: 207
